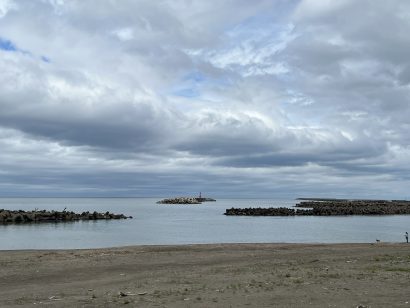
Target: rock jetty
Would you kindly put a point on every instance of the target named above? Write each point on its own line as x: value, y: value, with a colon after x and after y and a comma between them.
x: 201, y: 199
x: 330, y: 208
x: 179, y: 200
x: 272, y: 211
x: 357, y: 207
x: 36, y: 216
x: 185, y: 200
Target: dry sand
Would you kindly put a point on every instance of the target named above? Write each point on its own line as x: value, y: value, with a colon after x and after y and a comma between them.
x: 226, y: 275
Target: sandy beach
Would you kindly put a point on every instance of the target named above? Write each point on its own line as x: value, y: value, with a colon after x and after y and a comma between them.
x: 219, y: 275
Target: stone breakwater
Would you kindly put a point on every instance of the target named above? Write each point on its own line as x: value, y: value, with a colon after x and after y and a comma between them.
x: 20, y: 216
x: 357, y: 207
x: 185, y: 200
x: 272, y: 211
x: 205, y: 199
x: 330, y: 208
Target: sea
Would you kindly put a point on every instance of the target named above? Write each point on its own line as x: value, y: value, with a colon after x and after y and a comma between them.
x: 159, y: 224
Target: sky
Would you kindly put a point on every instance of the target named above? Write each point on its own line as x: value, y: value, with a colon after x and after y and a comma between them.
x: 233, y: 98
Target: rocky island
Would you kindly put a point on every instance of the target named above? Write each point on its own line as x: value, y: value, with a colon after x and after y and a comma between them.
x: 330, y: 207
x: 186, y: 200
x: 36, y: 216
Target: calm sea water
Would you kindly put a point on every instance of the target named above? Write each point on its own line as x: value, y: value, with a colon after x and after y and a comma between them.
x: 187, y: 224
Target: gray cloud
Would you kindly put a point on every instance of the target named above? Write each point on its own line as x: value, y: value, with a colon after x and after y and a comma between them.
x: 232, y: 97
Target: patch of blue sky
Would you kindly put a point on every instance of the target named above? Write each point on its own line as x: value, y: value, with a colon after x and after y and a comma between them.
x: 264, y: 33
x: 199, y: 79
x: 272, y: 20
x: 189, y: 84
x: 7, y: 45
x: 187, y: 92
x: 192, y: 84
x: 195, y: 76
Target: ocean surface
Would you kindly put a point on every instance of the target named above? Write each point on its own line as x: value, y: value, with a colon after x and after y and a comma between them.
x: 155, y: 224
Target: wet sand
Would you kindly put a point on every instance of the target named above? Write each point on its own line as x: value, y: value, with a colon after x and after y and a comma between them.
x: 222, y: 275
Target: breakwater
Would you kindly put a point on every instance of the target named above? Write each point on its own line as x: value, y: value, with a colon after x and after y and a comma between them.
x: 185, y: 200
x: 36, y: 216
x: 272, y: 211
x: 330, y: 208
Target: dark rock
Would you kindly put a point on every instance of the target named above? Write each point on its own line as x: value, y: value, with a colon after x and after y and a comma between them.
x: 272, y: 211
x: 200, y: 199
x: 356, y: 207
x: 18, y: 218
x: 329, y: 207
x: 180, y: 200
x: 37, y: 216
x: 185, y: 200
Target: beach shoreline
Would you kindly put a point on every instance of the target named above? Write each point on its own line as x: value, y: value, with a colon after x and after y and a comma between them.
x: 209, y: 275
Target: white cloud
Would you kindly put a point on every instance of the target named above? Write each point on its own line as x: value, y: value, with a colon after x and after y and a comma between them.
x: 250, y: 52
x: 124, y: 34
x: 281, y: 88
x: 310, y: 9
x: 6, y: 6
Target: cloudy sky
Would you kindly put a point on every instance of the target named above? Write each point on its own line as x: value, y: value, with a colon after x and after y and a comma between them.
x: 232, y: 98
